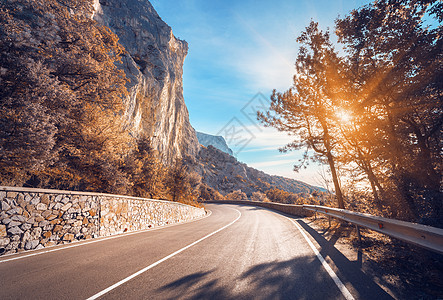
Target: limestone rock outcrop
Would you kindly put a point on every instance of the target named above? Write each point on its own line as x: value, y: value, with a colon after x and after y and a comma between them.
x: 215, y: 141
x: 154, y: 65
x: 156, y: 108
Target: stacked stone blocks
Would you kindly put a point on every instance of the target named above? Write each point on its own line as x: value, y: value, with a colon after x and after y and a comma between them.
x: 34, y: 219
x: 130, y: 214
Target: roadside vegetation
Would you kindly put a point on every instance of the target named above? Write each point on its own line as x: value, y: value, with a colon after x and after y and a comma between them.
x: 370, y: 107
x: 397, y: 265
x: 62, y: 122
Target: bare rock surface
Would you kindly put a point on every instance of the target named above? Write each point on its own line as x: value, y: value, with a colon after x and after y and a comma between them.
x: 225, y: 173
x: 154, y: 65
x: 215, y: 141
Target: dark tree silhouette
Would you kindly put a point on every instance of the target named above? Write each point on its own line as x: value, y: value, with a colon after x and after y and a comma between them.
x: 395, y: 64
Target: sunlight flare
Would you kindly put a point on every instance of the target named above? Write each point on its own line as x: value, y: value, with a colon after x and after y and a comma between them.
x: 345, y: 117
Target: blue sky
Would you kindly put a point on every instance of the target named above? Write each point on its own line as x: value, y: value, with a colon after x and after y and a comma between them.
x: 238, y: 49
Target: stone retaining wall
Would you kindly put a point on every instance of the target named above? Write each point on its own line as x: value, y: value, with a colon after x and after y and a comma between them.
x: 129, y: 214
x: 36, y: 218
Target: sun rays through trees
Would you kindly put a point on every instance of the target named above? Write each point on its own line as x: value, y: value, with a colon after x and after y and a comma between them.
x: 374, y: 111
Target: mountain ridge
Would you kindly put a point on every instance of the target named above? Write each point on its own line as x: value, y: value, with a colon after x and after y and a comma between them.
x: 226, y: 174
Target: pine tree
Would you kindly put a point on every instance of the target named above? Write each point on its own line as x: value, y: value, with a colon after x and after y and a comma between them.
x: 395, y: 64
x: 305, y: 109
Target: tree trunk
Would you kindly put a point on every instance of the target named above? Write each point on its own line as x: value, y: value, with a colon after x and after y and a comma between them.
x: 338, y: 193
x: 375, y: 184
x: 433, y: 179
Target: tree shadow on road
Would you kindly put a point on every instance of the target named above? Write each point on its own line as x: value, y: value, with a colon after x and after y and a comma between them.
x: 198, y: 285
x: 348, y: 270
x: 299, y: 278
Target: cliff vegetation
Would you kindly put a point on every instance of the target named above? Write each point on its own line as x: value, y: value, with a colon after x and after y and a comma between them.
x: 63, y: 100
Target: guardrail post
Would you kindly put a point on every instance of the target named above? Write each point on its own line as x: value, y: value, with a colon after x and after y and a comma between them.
x: 329, y: 220
x: 358, y: 235
x: 359, y: 251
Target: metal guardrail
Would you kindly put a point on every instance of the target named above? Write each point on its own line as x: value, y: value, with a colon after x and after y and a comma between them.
x: 292, y: 209
x: 421, y: 235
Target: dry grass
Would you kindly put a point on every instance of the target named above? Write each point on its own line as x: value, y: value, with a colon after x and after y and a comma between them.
x: 408, y: 271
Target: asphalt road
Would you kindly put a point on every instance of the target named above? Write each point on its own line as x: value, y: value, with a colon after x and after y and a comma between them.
x: 238, y: 252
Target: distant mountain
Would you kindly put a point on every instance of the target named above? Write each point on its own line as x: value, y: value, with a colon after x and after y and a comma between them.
x: 216, y: 141
x: 225, y: 173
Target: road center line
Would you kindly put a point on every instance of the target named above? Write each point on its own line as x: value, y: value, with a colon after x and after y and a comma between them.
x: 161, y: 260
x: 331, y: 273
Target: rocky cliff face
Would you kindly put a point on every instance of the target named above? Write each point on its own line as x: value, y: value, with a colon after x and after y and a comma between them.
x: 224, y: 173
x: 154, y: 65
x: 215, y: 141
x: 156, y: 108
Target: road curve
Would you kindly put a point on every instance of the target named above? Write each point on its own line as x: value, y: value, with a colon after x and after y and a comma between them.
x: 238, y: 252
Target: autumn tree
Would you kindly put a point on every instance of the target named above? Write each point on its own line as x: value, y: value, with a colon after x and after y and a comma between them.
x: 209, y: 193
x: 259, y: 196
x: 177, y: 181
x: 27, y: 127
x: 145, y: 170
x: 281, y: 196
x: 376, y: 110
x: 305, y: 109
x: 236, y: 195
x: 183, y: 184
x: 395, y: 64
x: 61, y: 96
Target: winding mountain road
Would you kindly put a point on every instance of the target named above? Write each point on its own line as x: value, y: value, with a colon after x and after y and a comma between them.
x: 238, y: 252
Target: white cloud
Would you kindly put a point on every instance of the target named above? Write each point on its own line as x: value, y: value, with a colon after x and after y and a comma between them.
x: 267, y: 58
x: 260, y: 149
x: 271, y: 163
x: 268, y: 137
x: 266, y: 71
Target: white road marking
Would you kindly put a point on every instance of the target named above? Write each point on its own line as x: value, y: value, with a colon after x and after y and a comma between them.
x: 99, y: 239
x: 331, y: 273
x: 161, y: 260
